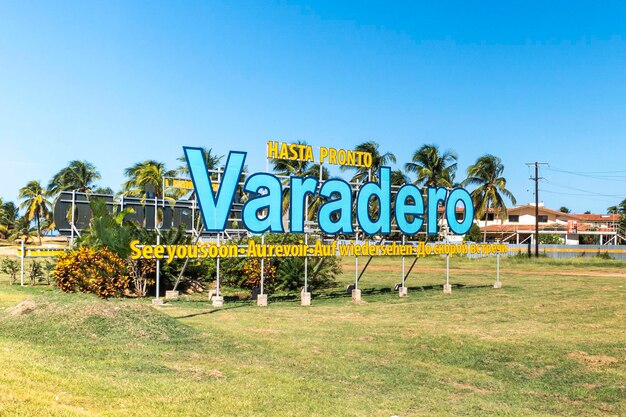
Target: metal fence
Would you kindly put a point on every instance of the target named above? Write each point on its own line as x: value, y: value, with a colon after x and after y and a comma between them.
x: 573, y: 251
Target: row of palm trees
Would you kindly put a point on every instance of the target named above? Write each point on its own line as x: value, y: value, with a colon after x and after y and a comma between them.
x: 428, y: 167
x: 36, y: 200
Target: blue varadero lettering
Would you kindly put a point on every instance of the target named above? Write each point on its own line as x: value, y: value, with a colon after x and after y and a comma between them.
x: 301, y: 187
x: 404, y: 208
x: 382, y: 193
x: 459, y: 195
x: 214, y: 208
x: 263, y: 210
x: 435, y: 196
x: 339, y: 207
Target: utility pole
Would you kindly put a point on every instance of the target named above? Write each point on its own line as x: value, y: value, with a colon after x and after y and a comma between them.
x: 536, y: 179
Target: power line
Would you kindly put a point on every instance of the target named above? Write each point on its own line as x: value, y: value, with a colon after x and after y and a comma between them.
x: 586, y: 172
x: 584, y: 191
x: 583, y: 196
x: 591, y: 174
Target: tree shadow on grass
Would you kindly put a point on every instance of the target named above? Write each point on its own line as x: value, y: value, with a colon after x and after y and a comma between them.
x: 214, y: 310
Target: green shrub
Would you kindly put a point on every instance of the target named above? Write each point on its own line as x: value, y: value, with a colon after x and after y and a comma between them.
x: 36, y: 272
x: 285, y: 274
x: 321, y: 273
x: 551, y: 239
x: 11, y: 267
x: 474, y: 234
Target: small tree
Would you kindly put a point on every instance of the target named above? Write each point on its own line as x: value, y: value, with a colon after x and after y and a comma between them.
x: 36, y: 273
x: 142, y: 274
x: 551, y: 239
x: 10, y: 267
x: 474, y: 234
x: 48, y: 267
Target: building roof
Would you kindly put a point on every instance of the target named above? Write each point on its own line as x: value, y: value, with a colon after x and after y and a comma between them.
x: 569, y: 216
x: 512, y: 228
x: 598, y: 217
x: 543, y: 210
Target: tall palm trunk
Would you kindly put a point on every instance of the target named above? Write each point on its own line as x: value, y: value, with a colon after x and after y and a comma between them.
x: 38, y: 227
x: 485, y: 231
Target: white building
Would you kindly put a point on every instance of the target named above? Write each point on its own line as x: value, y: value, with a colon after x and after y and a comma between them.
x: 573, y: 229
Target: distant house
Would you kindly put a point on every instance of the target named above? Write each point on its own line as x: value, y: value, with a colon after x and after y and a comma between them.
x: 519, y: 226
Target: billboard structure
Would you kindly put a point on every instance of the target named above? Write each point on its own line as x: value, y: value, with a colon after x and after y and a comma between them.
x: 373, y: 217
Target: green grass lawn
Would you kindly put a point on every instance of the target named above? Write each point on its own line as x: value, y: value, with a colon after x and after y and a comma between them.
x: 551, y: 342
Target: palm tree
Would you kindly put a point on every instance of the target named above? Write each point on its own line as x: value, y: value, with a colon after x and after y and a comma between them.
x: 145, y: 175
x: 23, y: 229
x: 103, y: 190
x: 35, y: 203
x: 379, y: 159
x: 8, y: 215
x: 491, y: 189
x: 617, y: 209
x: 212, y: 162
x: 398, y: 178
x: 433, y: 169
x: 3, y: 228
x: 78, y: 176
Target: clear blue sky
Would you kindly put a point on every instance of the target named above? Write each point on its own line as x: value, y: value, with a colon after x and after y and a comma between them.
x: 119, y: 82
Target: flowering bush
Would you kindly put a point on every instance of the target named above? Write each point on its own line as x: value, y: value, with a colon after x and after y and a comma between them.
x: 94, y: 271
x: 252, y: 273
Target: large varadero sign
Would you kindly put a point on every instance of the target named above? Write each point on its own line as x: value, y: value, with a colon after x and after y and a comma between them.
x: 230, y: 201
x: 263, y: 209
x: 340, y: 217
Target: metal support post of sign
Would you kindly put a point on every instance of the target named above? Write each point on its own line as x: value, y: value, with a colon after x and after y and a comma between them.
x: 306, y: 266
x: 498, y: 284
x: 402, y: 291
x: 22, y: 261
x: 356, y: 270
x: 217, y: 282
x: 193, y: 218
x: 163, y: 190
x: 356, y: 292
x: 72, y: 217
x: 305, y: 295
x: 447, y: 288
x: 218, y: 300
x: 261, y: 299
x: 157, y: 300
x: 306, y: 243
x: 381, y: 243
x: 262, y: 267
